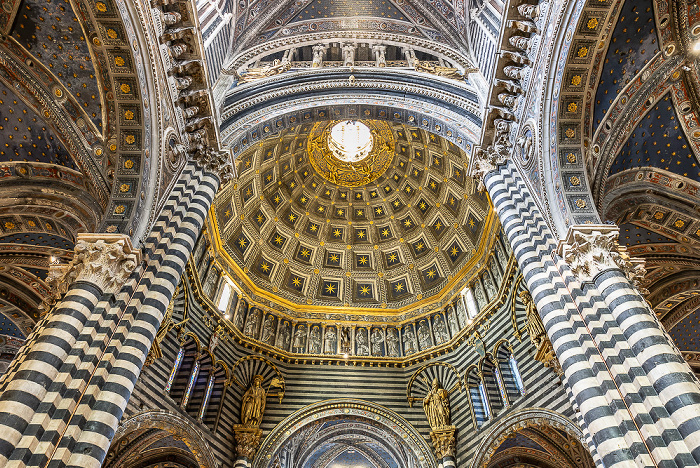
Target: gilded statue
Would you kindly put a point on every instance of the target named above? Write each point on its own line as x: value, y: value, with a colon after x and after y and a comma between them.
x: 276, y: 68
x: 438, y: 70
x: 436, y: 405
x: 534, y: 326
x: 253, y: 404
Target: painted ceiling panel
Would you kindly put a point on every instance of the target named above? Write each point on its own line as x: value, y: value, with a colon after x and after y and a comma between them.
x: 658, y: 141
x: 8, y: 327
x: 631, y: 234
x: 634, y: 43
x: 56, y: 39
x: 28, y: 137
x: 685, y: 333
x: 519, y: 440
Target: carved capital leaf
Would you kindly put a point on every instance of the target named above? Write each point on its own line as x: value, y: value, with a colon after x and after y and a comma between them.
x: 444, y: 442
x: 247, y: 441
x: 214, y: 161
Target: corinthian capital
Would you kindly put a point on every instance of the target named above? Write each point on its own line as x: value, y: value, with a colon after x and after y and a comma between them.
x: 105, y: 260
x: 444, y: 442
x: 214, y: 161
x: 592, y: 248
x: 247, y: 440
x: 486, y: 161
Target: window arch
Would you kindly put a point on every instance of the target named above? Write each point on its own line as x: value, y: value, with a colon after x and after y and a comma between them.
x: 197, y: 384
x: 510, y: 374
x: 481, y: 412
x: 213, y: 400
x: 493, y: 384
x: 183, y: 366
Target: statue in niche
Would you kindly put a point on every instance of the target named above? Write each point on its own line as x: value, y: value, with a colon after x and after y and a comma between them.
x: 409, y: 340
x: 278, y: 66
x: 479, y: 297
x: 268, y: 332
x: 495, y: 270
x: 392, y: 342
x: 315, y: 340
x: 240, y: 315
x: 253, y: 404
x: 254, y: 399
x: 299, y: 339
x: 377, y: 339
x: 446, y: 72
x: 441, y: 334
x: 462, y: 312
x: 362, y: 343
x: 424, y: 335
x: 489, y: 286
x: 345, y: 340
x: 501, y: 257
x: 283, y: 336
x: 452, y: 321
x: 330, y: 340
x: 251, y: 326
x: 524, y: 142
x: 436, y: 405
x: 534, y: 325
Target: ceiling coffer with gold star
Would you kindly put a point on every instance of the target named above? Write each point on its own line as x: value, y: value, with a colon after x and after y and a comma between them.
x: 363, y: 215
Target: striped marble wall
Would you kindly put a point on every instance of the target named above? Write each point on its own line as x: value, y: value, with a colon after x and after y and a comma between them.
x: 307, y: 383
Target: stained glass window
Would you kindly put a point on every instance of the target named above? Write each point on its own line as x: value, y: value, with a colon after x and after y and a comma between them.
x: 516, y: 374
x: 205, y: 403
x: 176, y: 366
x: 190, y: 384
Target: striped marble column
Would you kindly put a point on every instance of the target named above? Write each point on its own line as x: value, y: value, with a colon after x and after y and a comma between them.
x: 594, y: 256
x: 75, y: 417
x: 101, y: 265
x: 621, y: 412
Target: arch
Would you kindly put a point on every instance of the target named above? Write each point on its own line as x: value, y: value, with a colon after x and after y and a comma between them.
x: 517, y: 421
x: 375, y: 422
x: 508, y: 367
x: 183, y: 366
x: 493, y: 384
x: 167, y: 423
x: 479, y: 405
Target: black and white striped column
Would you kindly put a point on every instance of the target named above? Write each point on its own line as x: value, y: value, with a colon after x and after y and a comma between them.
x: 620, y: 409
x: 77, y: 377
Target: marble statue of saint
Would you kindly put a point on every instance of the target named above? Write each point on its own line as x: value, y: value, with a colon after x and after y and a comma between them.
x: 534, y: 326
x: 392, y: 342
x: 252, y: 323
x: 424, y: 335
x: 268, y: 332
x: 409, y: 339
x: 315, y: 340
x: 253, y: 404
x: 377, y: 339
x: 283, y: 337
x: 276, y: 68
x: 240, y: 315
x: 345, y: 340
x: 330, y: 340
x: 452, y: 321
x: 441, y: 334
x: 299, y: 339
x: 436, y: 405
x: 362, y: 348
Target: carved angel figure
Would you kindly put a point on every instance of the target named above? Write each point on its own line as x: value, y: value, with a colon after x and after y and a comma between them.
x: 437, y: 70
x: 276, y: 68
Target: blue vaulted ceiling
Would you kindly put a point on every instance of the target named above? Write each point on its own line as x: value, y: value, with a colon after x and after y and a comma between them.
x: 39, y: 239
x: 685, y: 333
x: 50, y: 31
x: 28, y: 137
x: 8, y: 327
x: 631, y: 234
x: 633, y: 44
x: 659, y: 141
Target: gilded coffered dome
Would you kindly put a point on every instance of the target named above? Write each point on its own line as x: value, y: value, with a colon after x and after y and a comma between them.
x: 397, y: 228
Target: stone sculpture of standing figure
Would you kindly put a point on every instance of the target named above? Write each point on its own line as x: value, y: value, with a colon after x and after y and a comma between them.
x: 253, y: 404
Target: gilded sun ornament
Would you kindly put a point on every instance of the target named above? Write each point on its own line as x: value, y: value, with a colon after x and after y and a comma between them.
x: 351, y: 154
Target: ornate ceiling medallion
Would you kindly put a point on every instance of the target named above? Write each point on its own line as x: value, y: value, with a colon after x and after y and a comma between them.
x: 362, y: 162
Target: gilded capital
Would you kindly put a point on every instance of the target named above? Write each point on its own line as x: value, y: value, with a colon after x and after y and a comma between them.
x: 105, y: 260
x: 247, y: 440
x: 444, y: 442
